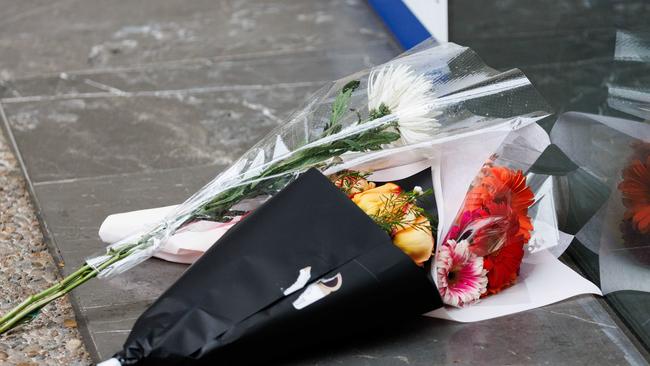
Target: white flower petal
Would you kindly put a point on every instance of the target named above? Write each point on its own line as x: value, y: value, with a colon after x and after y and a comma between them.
x: 408, y: 96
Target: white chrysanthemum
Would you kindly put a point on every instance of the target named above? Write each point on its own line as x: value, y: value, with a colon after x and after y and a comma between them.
x: 408, y: 96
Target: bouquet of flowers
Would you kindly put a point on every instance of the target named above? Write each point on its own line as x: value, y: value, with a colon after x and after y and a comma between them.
x: 483, y: 251
x: 312, y: 265
x: 403, y: 112
x: 499, y: 237
x: 422, y: 186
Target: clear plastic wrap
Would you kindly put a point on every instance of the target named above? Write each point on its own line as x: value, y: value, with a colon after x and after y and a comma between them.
x: 629, y: 90
x: 506, y: 225
x: 611, y: 180
x: 504, y: 208
x: 388, y: 116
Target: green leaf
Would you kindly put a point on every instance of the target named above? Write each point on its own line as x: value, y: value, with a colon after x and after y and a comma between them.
x: 317, y: 156
x: 381, y: 111
x: 339, y: 107
x: 351, y: 86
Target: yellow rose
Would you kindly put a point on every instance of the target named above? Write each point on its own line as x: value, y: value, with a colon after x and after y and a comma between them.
x: 373, y: 200
x: 415, y: 240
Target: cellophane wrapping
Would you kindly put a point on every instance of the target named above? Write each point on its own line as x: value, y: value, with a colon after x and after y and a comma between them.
x: 435, y: 94
x: 522, y: 215
x: 604, y: 195
x: 629, y: 86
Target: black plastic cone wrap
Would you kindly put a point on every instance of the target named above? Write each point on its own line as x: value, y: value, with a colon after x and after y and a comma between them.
x: 230, y: 307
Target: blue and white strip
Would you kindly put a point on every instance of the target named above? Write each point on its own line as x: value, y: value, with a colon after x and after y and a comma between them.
x: 413, y: 21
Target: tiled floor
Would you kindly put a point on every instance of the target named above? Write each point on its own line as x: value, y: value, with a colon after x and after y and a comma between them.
x: 122, y: 106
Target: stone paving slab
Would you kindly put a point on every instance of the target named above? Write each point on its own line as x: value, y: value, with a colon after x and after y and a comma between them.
x: 568, y: 333
x: 86, y: 137
x: 184, y: 115
x: 73, y: 211
x: 38, y: 37
x: 253, y: 71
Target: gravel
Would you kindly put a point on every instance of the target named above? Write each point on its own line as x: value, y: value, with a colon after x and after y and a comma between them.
x: 27, y: 267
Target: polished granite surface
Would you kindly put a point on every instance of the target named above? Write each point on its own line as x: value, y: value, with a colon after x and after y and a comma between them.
x: 116, y: 107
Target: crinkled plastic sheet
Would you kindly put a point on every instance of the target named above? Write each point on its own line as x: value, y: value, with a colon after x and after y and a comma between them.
x: 611, y: 156
x: 518, y: 151
x: 629, y: 90
x: 470, y: 99
x: 543, y: 278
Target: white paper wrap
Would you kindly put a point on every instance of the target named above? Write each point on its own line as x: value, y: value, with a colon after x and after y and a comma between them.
x: 543, y: 280
x: 185, y: 246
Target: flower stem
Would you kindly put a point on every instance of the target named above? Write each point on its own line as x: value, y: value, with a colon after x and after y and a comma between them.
x: 33, y: 298
x: 36, y: 302
x: 271, y: 180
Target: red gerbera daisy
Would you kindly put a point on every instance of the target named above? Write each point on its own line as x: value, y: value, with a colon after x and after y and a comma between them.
x: 506, y: 187
x: 487, y: 230
x: 462, y: 224
x: 503, y: 267
x: 499, y: 229
x: 635, y: 191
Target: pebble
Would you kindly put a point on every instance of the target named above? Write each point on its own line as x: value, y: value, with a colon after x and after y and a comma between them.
x: 27, y: 267
x: 73, y: 345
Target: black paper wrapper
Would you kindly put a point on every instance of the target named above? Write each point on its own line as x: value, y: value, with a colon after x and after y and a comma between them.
x: 230, y: 307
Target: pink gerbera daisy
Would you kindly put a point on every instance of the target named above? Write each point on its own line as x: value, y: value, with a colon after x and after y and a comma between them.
x: 460, y: 274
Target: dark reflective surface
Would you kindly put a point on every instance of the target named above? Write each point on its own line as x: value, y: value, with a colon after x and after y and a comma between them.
x: 589, y: 56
